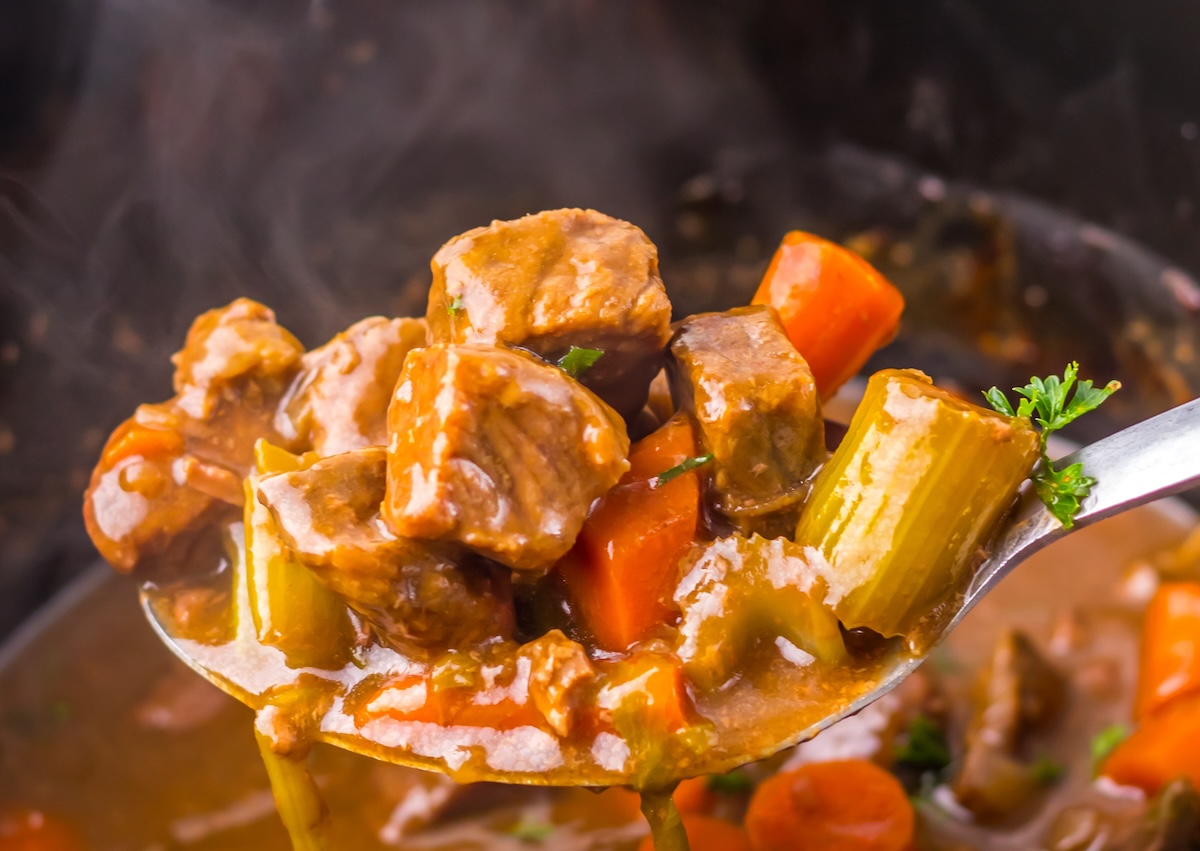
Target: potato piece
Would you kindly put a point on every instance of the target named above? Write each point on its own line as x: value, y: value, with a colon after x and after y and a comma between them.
x: 411, y: 591
x: 494, y: 449
x: 339, y: 400
x: 757, y: 405
x: 554, y: 280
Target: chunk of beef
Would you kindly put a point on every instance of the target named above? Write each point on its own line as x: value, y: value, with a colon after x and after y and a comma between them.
x: 494, y: 449
x: 757, y: 405
x: 1017, y: 693
x: 553, y: 280
x: 232, y: 353
x: 339, y: 400
x: 173, y: 471
x: 559, y: 668
x: 410, y: 591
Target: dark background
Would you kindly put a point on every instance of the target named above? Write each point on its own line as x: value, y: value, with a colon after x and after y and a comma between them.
x: 159, y: 157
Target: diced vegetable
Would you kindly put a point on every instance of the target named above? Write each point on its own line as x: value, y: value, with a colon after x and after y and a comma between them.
x: 625, y: 560
x: 694, y: 796
x: 1164, y: 747
x: 849, y: 805
x: 33, y: 830
x: 736, y: 591
x: 706, y: 833
x: 1170, y: 661
x: 837, y: 309
x: 291, y: 609
x: 910, y: 495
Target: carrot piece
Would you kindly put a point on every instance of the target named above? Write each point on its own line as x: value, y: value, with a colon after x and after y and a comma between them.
x: 694, y: 796
x: 850, y: 805
x: 836, y: 308
x: 134, y: 439
x: 1164, y: 747
x: 706, y: 833
x: 623, y: 568
x: 1170, y: 660
x: 31, y: 830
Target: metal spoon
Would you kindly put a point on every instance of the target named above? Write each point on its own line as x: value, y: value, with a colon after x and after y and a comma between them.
x: 1153, y: 459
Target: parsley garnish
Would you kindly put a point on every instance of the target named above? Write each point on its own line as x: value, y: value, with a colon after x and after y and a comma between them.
x: 577, y: 361
x: 1045, y: 401
x: 924, y: 747
x: 455, y: 305
x: 734, y: 783
x: 1105, y: 742
x: 530, y: 831
x: 1047, y: 771
x: 687, y: 465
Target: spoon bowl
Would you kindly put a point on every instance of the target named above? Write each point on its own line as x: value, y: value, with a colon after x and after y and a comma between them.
x: 1153, y: 459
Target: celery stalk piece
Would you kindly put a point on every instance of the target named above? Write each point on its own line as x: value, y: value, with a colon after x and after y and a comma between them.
x: 291, y: 609
x: 736, y: 592
x: 902, y: 508
x: 297, y: 798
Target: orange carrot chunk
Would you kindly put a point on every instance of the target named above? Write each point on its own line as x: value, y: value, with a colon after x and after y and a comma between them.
x: 1166, y: 746
x: 836, y: 308
x: 1170, y: 663
x: 623, y: 568
x: 706, y: 833
x: 851, y: 805
x: 31, y: 830
x: 694, y: 796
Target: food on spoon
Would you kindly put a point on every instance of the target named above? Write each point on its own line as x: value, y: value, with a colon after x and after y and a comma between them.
x: 624, y: 567
x: 173, y: 472
x: 836, y: 308
x: 737, y: 592
x: 497, y: 451
x: 556, y: 280
x: 488, y: 580
x: 911, y: 494
x: 292, y: 610
x: 756, y: 406
x: 339, y: 400
x: 327, y: 515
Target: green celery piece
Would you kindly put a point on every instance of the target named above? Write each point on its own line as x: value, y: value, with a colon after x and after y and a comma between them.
x: 291, y: 609
x: 915, y: 488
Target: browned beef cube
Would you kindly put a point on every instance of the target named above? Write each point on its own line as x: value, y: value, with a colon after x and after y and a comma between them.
x: 172, y: 471
x: 328, y: 514
x: 339, y: 400
x: 755, y: 400
x: 554, y: 280
x: 229, y: 349
x: 497, y: 450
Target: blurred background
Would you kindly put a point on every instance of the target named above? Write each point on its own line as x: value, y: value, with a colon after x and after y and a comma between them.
x: 1036, y: 165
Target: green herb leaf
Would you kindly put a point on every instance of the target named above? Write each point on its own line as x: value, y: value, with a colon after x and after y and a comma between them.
x: 530, y: 831
x: 1050, y: 403
x: 455, y: 305
x: 1047, y: 771
x: 1105, y: 742
x: 734, y: 783
x: 1062, y: 490
x: 924, y: 747
x: 577, y: 361
x: 687, y: 465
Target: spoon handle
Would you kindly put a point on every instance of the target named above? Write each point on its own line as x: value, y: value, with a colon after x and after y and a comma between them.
x: 1155, y: 458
